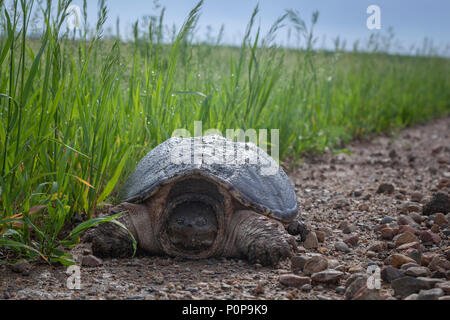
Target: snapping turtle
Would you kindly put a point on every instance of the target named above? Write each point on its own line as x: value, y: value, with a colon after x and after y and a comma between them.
x: 203, y: 197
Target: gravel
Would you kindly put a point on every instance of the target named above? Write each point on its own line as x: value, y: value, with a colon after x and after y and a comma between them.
x: 383, y: 205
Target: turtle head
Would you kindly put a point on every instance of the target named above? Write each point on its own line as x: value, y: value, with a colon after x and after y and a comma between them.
x: 192, y: 225
x: 193, y: 211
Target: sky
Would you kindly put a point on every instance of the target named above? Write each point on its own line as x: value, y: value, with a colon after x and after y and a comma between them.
x: 411, y: 20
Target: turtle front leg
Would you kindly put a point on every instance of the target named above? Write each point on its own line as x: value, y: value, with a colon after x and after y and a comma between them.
x: 258, y: 238
x: 109, y: 240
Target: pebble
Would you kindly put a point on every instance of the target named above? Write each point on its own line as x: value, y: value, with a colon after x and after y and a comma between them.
x: 20, y: 266
x: 91, y: 261
x: 390, y: 273
x: 440, y: 219
x: 416, y: 196
x: 428, y: 236
x: 387, y: 233
x: 306, y: 287
x: 292, y: 280
x: 311, y: 241
x: 439, y: 263
x: 410, y: 207
x: 397, y: 260
x: 354, y: 284
x: 367, y: 294
x: 387, y: 219
x: 340, y: 290
x: 413, y: 296
x: 431, y: 294
x: 408, y: 246
x: 439, y: 203
x: 407, y: 285
x: 352, y: 239
x: 407, y: 220
x: 386, y: 188
x: 327, y: 276
x: 320, y: 236
x: 298, y: 263
x: 406, y: 237
x: 418, y: 272
x: 315, y: 264
x: 444, y: 286
x: 416, y: 217
x: 341, y: 246
x: 258, y: 290
x: 414, y: 254
x: 378, y: 246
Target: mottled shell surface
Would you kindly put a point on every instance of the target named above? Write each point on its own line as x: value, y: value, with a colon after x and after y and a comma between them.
x: 245, y: 170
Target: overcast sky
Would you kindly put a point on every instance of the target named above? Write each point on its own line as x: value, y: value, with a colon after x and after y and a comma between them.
x: 411, y: 20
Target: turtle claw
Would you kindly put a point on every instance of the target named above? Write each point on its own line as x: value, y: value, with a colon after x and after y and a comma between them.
x: 262, y: 240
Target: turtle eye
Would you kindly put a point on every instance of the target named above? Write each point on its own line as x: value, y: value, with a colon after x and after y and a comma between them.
x: 201, y: 222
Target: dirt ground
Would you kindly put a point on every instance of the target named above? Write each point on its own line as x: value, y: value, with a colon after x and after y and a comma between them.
x: 338, y: 201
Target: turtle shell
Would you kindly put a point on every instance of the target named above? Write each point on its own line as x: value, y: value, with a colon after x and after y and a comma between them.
x: 245, y: 170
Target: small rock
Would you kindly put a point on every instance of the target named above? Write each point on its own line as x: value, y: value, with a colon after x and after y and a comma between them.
x: 406, y: 237
x: 397, y: 260
x: 291, y: 280
x: 387, y: 219
x: 352, y: 239
x: 444, y: 286
x: 416, y: 196
x: 91, y: 261
x: 439, y: 203
x: 413, y: 296
x: 407, y: 220
x: 439, y: 263
x: 320, y: 236
x: 408, y: 246
x: 414, y: 254
x: 389, y: 273
x: 349, y: 229
x: 416, y: 217
x: 386, y: 188
x: 311, y: 241
x: 406, y: 266
x: 428, y: 236
x: 406, y: 228
x: 315, y: 264
x: 410, y: 207
x: 342, y: 246
x: 367, y: 294
x: 426, y: 258
x: 431, y: 294
x: 258, y: 290
x: 407, y: 285
x: 418, y: 272
x: 327, y: 276
x: 20, y: 266
x: 378, y: 246
x: 298, y: 262
x: 306, y: 287
x: 354, y: 284
x: 387, y: 233
x: 440, y: 219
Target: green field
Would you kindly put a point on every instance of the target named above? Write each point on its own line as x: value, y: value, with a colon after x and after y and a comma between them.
x: 78, y: 110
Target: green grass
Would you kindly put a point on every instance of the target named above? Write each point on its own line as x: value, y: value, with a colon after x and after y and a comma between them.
x: 79, y: 111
